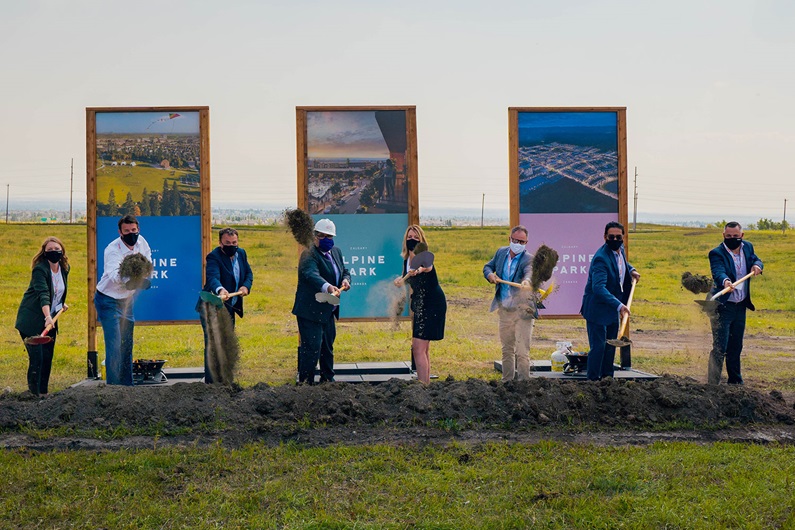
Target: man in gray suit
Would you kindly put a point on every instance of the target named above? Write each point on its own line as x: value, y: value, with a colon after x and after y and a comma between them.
x: 515, y: 306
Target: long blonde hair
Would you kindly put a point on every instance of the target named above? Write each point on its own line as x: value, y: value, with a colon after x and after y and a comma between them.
x: 39, y: 257
x: 416, y: 228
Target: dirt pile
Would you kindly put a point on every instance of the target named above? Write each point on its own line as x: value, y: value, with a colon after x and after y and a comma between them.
x: 461, y: 405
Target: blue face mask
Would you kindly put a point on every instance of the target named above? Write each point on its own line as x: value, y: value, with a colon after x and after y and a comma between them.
x: 326, y: 244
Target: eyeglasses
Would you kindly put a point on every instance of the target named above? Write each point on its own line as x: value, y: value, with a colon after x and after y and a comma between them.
x: 612, y: 237
x: 519, y: 241
x: 323, y: 236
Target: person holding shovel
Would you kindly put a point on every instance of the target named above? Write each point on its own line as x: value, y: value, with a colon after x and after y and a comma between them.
x: 605, y: 298
x: 227, y: 271
x: 514, y: 305
x: 729, y: 261
x: 42, y: 301
x: 321, y: 270
x: 114, y: 301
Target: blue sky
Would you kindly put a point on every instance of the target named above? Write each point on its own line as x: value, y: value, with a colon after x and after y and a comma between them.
x: 707, y: 86
x: 147, y: 122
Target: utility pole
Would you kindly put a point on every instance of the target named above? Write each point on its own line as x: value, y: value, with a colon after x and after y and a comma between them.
x: 482, y: 208
x: 8, y: 186
x: 784, y: 222
x: 635, y: 207
x: 71, y: 189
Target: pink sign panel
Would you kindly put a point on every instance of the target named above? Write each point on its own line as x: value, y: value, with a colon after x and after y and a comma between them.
x: 575, y: 237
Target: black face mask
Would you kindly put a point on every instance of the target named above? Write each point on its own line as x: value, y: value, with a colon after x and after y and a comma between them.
x: 732, y: 243
x: 130, y: 239
x: 614, y: 244
x: 410, y: 244
x: 229, y: 250
x: 53, y: 256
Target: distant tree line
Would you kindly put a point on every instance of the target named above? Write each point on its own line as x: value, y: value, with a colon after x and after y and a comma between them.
x: 168, y: 202
x: 762, y: 224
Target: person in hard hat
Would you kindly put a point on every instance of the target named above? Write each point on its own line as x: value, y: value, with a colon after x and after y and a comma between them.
x: 320, y: 270
x: 226, y: 271
x: 605, y: 298
x: 730, y: 261
x: 428, y: 304
x: 515, y: 306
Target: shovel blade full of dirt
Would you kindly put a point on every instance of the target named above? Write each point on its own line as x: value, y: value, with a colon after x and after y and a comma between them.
x: 36, y: 340
x: 214, y: 299
x: 624, y: 340
x: 710, y: 304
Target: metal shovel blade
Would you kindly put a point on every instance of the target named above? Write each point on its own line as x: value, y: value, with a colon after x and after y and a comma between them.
x: 327, y: 298
x: 708, y: 305
x: 210, y: 298
x: 37, y: 340
x: 620, y: 343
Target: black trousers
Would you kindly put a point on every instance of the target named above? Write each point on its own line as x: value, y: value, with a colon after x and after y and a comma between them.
x: 39, y: 366
x: 208, y: 378
x: 317, y: 344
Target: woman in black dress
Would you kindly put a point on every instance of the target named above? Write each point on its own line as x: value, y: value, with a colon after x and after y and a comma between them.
x: 428, y: 304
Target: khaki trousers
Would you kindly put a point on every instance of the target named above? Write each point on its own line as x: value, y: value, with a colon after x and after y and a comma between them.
x: 515, y: 334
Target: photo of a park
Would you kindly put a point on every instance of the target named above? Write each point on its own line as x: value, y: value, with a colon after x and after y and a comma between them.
x: 148, y: 164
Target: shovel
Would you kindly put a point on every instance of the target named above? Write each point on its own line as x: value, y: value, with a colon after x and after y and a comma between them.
x: 422, y: 259
x: 217, y: 301
x: 543, y: 292
x: 37, y: 340
x: 710, y: 304
x: 327, y: 298
x: 624, y: 340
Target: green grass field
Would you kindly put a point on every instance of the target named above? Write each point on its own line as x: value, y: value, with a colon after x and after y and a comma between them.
x: 493, y: 485
x: 268, y: 333
x: 124, y: 179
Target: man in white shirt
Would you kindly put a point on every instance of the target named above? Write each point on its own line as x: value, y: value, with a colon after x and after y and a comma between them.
x: 114, y: 301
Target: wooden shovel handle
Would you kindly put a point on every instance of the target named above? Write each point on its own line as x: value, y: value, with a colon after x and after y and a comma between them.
x: 227, y: 296
x: 54, y: 319
x: 735, y: 284
x: 512, y: 284
x: 625, y: 319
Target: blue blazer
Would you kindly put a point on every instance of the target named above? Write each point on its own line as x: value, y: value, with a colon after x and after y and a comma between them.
x: 603, y: 292
x: 314, y: 270
x: 722, y: 265
x: 497, y: 265
x: 219, y: 273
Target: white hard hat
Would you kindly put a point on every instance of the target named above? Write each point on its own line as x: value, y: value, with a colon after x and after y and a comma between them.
x: 326, y: 226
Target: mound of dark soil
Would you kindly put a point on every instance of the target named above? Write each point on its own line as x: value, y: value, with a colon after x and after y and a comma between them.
x: 473, y: 405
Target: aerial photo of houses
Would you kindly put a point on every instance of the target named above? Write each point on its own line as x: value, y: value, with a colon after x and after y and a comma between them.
x: 568, y: 162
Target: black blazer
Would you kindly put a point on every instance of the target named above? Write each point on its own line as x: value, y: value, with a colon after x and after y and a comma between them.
x: 219, y: 273
x: 722, y: 266
x: 313, y: 271
x: 30, y: 319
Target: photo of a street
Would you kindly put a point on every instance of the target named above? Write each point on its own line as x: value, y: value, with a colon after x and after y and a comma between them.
x: 356, y: 162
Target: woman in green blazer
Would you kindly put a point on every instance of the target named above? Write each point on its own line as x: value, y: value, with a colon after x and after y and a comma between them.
x: 44, y: 298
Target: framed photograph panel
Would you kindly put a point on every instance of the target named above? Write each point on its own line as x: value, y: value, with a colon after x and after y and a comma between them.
x: 568, y: 172
x: 358, y: 167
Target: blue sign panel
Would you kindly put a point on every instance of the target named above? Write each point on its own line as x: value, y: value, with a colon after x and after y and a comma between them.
x: 371, y: 246
x: 177, y: 275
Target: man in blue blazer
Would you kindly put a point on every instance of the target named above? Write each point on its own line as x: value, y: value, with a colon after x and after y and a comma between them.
x: 516, y: 307
x: 603, y: 302
x: 226, y: 271
x: 321, y: 270
x: 730, y: 261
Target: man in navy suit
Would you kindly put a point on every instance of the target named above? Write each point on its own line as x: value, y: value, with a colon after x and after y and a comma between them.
x: 320, y: 270
x: 516, y: 307
x: 603, y: 302
x: 729, y: 261
x: 226, y: 271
